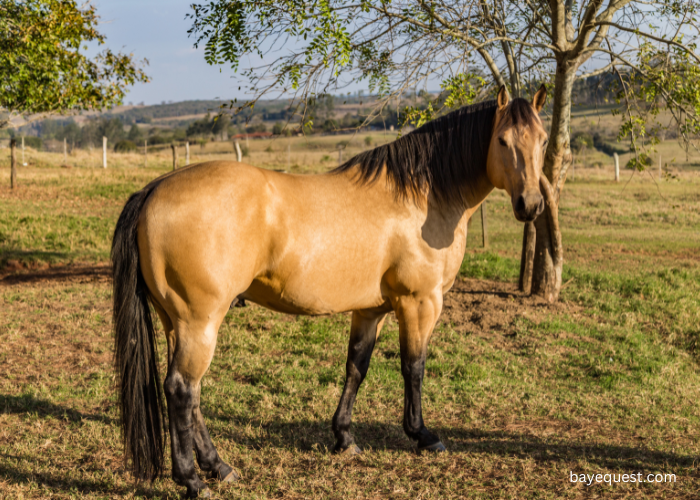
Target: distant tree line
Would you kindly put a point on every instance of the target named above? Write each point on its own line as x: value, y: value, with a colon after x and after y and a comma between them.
x: 128, y: 129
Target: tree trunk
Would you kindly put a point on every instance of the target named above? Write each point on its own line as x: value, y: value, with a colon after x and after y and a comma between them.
x: 548, y: 253
x: 548, y: 256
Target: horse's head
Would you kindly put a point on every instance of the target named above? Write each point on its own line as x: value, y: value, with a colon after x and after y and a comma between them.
x: 516, y: 152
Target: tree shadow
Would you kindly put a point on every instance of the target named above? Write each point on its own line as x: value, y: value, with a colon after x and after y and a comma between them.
x: 496, y: 293
x: 543, y: 450
x: 8, y: 254
x: 27, y: 404
x: 314, y: 435
x: 57, y: 274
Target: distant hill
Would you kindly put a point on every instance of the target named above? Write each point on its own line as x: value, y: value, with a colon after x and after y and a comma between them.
x: 145, y: 114
x: 266, y: 110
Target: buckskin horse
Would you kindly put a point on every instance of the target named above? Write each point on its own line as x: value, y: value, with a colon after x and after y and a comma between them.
x: 386, y: 231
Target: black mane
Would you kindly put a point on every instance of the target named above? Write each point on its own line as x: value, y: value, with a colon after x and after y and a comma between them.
x: 441, y: 157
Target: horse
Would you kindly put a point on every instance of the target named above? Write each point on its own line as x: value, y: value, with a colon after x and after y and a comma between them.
x: 385, y: 231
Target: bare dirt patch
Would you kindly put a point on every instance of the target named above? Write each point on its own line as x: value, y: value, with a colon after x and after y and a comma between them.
x: 52, y: 328
x: 488, y: 308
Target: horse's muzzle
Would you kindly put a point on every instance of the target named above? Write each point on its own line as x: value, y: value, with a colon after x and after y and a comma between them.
x: 527, y: 207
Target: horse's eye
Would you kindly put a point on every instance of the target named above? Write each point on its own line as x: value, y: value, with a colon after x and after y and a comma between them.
x: 502, y: 142
x: 545, y: 142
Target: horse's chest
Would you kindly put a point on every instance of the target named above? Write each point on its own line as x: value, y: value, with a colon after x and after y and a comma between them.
x: 454, y: 257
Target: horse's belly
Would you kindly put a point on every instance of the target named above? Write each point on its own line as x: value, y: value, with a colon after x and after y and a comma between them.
x: 295, y: 296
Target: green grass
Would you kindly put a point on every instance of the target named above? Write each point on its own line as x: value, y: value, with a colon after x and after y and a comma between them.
x: 607, y: 381
x: 62, y: 216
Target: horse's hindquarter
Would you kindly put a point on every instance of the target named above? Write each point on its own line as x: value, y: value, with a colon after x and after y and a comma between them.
x: 298, y: 244
x: 194, y: 235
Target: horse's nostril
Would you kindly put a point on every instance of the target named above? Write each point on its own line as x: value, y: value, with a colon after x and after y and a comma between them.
x: 520, y: 204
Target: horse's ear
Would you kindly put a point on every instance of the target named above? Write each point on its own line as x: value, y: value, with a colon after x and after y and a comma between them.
x: 503, y: 97
x: 540, y: 98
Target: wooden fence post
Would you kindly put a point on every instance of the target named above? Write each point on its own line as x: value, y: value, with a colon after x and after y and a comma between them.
x: 484, y: 233
x: 527, y: 257
x: 617, y: 167
x: 239, y: 155
x: 65, y: 151
x: 23, y: 163
x: 340, y: 155
x: 13, y: 163
x: 104, y: 152
x: 187, y: 153
x: 174, y: 148
x: 145, y: 153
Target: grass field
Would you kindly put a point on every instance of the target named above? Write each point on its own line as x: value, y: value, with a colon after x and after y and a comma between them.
x: 521, y: 393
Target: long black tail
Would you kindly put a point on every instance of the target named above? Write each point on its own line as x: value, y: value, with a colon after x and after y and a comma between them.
x: 135, y: 356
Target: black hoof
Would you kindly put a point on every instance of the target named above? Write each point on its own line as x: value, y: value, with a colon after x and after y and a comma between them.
x: 432, y: 448
x: 350, y: 451
x: 224, y: 473
x: 231, y: 478
x: 203, y: 493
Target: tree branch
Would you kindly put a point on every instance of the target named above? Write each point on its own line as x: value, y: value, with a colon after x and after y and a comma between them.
x: 636, y: 31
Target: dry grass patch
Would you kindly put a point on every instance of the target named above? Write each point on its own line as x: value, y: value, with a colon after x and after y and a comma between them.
x: 516, y: 416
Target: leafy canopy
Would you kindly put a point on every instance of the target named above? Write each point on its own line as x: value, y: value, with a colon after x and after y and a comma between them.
x: 42, y: 68
x: 307, y: 48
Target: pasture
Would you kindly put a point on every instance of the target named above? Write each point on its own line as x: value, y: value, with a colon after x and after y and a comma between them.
x: 521, y: 393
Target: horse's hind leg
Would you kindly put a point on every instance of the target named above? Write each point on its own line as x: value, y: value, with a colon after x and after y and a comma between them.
x: 191, y: 355
x: 207, y: 457
x: 363, y: 334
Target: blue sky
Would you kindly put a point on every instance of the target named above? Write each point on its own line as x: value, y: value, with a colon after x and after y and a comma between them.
x: 157, y: 30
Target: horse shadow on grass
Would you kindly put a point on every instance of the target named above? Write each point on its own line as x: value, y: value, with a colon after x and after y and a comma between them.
x: 378, y: 436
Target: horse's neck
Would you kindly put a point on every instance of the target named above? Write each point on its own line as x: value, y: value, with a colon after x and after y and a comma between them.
x: 451, y: 217
x: 477, y: 192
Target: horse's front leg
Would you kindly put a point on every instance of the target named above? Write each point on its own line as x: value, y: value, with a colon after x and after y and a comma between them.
x: 417, y: 316
x: 363, y: 334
